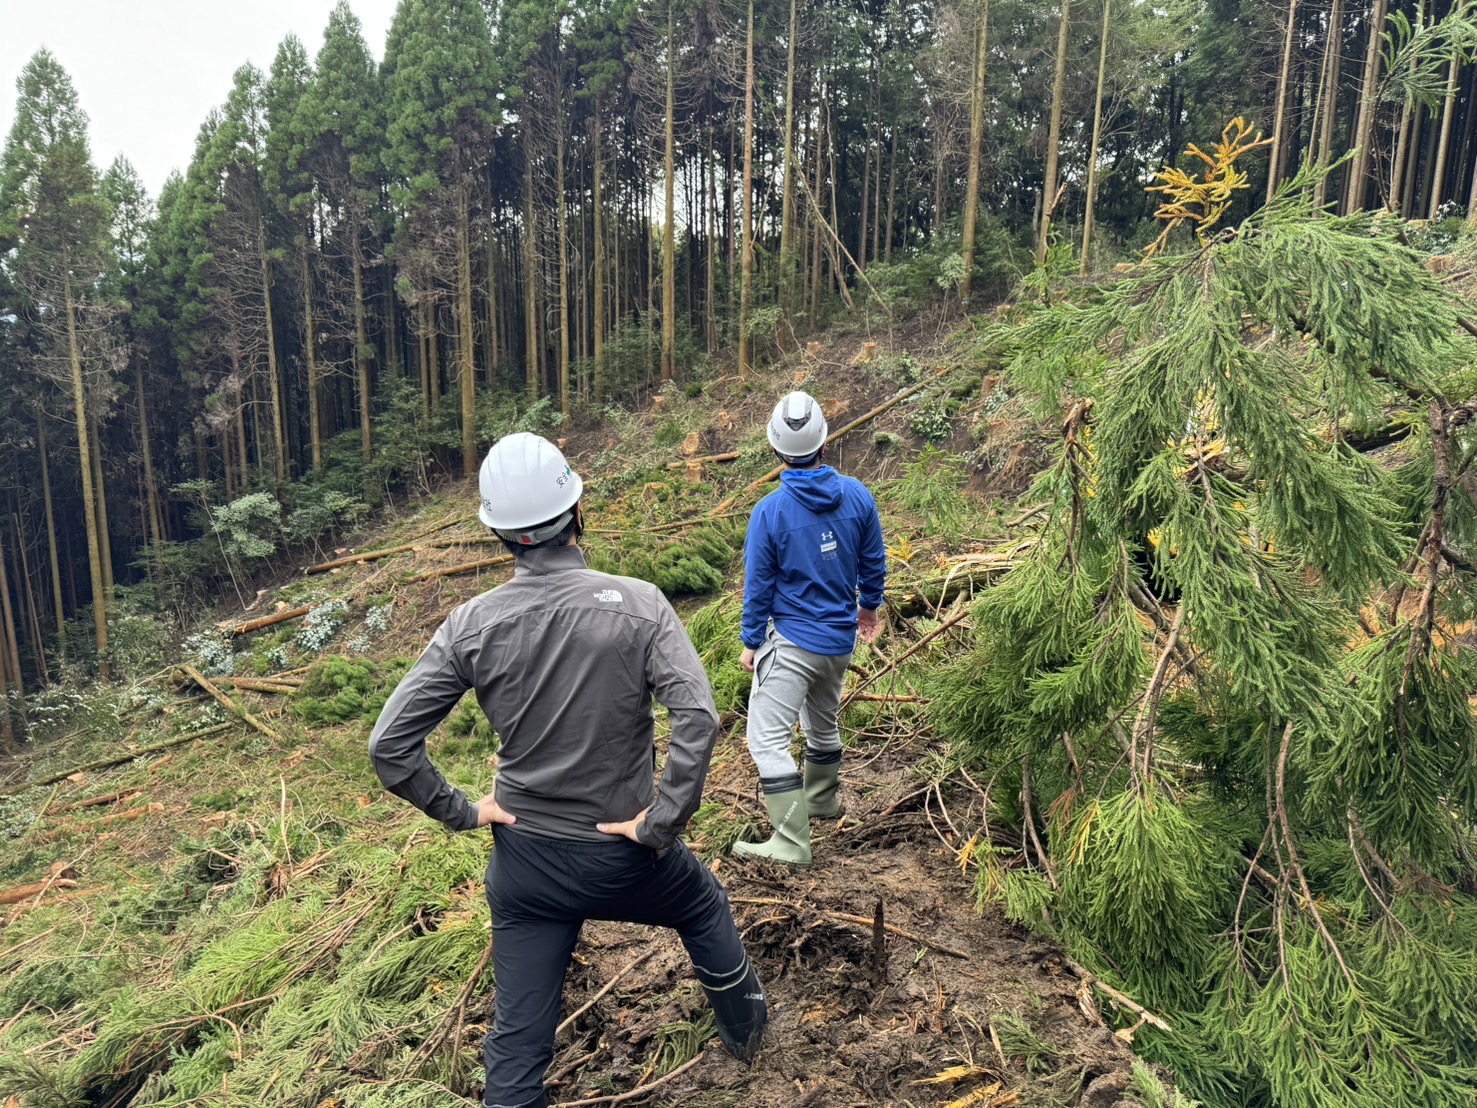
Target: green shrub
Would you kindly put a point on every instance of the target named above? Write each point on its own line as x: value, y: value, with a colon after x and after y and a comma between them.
x: 339, y: 690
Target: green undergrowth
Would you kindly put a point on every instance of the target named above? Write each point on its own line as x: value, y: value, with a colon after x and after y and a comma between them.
x: 282, y: 930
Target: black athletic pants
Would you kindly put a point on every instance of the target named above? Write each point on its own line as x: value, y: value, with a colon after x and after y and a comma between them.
x: 541, y: 892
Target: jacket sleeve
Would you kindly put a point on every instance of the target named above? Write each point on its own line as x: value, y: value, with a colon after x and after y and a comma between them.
x: 871, y: 561
x: 679, y: 683
x: 760, y: 571
x: 398, y: 745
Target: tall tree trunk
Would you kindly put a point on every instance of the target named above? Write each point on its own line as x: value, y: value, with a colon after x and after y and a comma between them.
x: 310, y: 350
x: 1364, y: 131
x: 1328, y: 97
x: 12, y: 645
x: 1054, y: 136
x: 394, y: 349
x: 710, y: 291
x: 1443, y: 147
x: 466, y: 327
x: 31, y: 603
x: 598, y: 215
x: 155, y: 516
x: 562, y: 220
x: 976, y: 147
x: 891, y: 194
x: 361, y: 347
x: 669, y: 228
x: 279, y: 421
x: 865, y: 207
x: 56, y: 573
x: 746, y: 343
x: 105, y: 542
x: 821, y: 138
x: 494, y: 318
x: 1279, y: 120
x: 1407, y: 117
x: 787, y: 202
x: 530, y: 273
x: 89, y: 500
x: 1090, y: 211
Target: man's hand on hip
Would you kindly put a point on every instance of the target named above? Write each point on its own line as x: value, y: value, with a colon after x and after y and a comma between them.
x: 628, y: 828
x: 746, y: 659
x: 868, y: 625
x: 489, y: 811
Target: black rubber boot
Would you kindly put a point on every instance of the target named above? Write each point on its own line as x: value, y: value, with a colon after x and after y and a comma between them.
x: 739, y: 1009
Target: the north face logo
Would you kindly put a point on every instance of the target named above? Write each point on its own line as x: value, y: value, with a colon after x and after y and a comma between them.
x: 609, y: 596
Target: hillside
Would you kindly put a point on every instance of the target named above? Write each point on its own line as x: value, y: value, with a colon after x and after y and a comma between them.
x: 247, y: 915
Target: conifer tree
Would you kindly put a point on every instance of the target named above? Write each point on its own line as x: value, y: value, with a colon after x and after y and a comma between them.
x: 442, y: 107
x: 55, y: 223
x: 1222, y: 694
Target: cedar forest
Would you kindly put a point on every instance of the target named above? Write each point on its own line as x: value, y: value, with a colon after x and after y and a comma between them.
x: 1207, y: 678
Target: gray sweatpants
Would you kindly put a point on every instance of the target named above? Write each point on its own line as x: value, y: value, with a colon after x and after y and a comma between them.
x: 792, y: 684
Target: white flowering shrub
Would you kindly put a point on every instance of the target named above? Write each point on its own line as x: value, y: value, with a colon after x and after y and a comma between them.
x: 377, y: 620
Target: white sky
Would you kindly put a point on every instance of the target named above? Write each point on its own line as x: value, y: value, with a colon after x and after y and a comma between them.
x: 148, y: 71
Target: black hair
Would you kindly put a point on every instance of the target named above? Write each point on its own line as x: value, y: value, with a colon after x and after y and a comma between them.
x: 801, y: 463
x: 573, y: 529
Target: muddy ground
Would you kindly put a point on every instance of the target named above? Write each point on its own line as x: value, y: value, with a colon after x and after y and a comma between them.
x: 854, y: 1022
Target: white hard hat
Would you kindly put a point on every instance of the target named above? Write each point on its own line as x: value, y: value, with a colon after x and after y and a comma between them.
x: 797, y: 429
x: 525, y: 481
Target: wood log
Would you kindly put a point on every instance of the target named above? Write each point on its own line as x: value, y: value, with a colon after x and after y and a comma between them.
x: 961, y: 579
x: 226, y: 702
x: 253, y: 684
x: 404, y: 548
x: 866, y: 417
x: 268, y: 621
x: 731, y: 456
x: 118, y: 759
x: 500, y: 560
x: 97, y: 801
x: 61, y: 876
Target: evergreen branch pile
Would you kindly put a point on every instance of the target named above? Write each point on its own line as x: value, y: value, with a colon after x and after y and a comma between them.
x: 1224, y: 696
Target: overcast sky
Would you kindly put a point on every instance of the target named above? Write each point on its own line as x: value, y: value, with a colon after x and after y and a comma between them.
x: 148, y: 71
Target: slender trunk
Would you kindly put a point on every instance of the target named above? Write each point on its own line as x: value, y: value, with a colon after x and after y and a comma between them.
x: 598, y: 214
x: 1364, y: 131
x: 787, y: 202
x: 562, y: 221
x: 105, y: 541
x: 1054, y: 136
x: 530, y: 273
x: 1097, y: 129
x: 861, y: 215
x: 1443, y: 146
x: 1402, y: 141
x: 12, y: 646
x: 394, y: 351
x: 1279, y: 120
x: 494, y: 322
x: 89, y: 502
x: 466, y: 328
x: 279, y: 421
x: 31, y: 603
x: 816, y: 193
x: 361, y: 348
x: 1328, y: 97
x: 56, y: 573
x: 891, y: 194
x: 746, y: 343
x: 976, y: 147
x: 310, y: 349
x: 669, y: 229
x: 710, y: 292
x: 1412, y: 167
x: 151, y: 491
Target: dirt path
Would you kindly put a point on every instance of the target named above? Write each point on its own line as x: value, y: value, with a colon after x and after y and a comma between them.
x: 853, y: 1022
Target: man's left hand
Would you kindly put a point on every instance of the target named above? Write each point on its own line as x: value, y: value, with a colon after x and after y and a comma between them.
x: 867, y: 624
x: 628, y: 828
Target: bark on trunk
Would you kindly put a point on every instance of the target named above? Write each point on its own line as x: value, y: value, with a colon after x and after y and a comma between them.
x: 746, y: 343
x: 89, y: 502
x: 1097, y: 130
x: 1279, y: 119
x: 1054, y: 136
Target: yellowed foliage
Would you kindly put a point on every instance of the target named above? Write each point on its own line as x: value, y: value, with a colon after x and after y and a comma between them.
x: 1204, y: 201
x: 955, y: 1074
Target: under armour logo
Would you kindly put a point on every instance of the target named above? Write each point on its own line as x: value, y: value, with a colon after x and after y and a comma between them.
x: 828, y: 541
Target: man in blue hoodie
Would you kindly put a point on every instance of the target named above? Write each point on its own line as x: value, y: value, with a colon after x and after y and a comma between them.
x: 815, y: 565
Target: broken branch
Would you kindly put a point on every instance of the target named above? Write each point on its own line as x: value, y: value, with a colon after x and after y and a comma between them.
x: 226, y: 702
x: 118, y: 759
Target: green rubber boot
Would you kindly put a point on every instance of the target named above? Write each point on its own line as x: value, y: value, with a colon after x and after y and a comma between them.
x: 822, y: 785
x: 790, y: 842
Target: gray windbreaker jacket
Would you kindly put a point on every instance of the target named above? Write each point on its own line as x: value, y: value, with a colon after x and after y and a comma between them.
x: 565, y: 662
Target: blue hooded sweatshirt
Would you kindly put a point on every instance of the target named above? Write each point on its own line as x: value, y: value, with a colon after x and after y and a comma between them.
x: 814, y: 552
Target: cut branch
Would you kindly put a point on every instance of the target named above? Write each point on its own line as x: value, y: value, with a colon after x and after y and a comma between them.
x: 226, y: 702
x: 118, y: 759
x: 469, y: 567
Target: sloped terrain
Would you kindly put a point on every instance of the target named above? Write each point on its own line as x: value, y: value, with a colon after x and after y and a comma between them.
x: 235, y: 910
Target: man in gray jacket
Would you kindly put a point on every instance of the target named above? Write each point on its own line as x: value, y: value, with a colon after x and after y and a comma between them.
x: 565, y: 663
